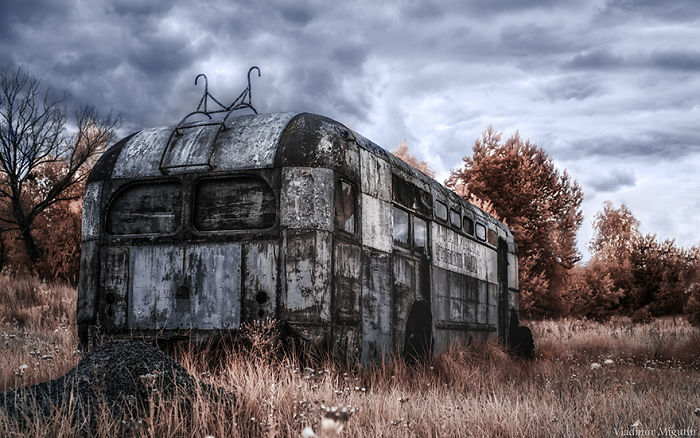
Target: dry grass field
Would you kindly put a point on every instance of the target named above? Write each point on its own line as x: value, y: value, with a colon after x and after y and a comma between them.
x: 588, y: 379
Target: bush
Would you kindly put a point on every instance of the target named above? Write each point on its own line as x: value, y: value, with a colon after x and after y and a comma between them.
x: 642, y: 316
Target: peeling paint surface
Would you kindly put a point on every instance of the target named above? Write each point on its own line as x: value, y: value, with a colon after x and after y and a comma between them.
x: 306, y: 200
x: 376, y: 176
x: 190, y: 147
x: 91, y: 211
x: 308, y: 272
x: 249, y: 142
x: 115, y: 285
x: 260, y: 279
x: 140, y: 157
x: 89, y: 278
x: 376, y: 306
x: 176, y: 287
x: 377, y: 224
x: 214, y: 271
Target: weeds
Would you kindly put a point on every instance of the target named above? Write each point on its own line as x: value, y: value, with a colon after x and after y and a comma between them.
x: 646, y: 374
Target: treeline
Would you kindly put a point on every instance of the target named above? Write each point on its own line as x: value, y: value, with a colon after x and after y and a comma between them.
x: 633, y: 274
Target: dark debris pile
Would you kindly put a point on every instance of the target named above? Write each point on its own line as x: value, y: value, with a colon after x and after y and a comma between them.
x: 121, y: 375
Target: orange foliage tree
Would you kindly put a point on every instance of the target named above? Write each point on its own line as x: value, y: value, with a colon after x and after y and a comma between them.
x: 402, y: 152
x: 43, y: 167
x: 541, y: 206
x: 642, y: 276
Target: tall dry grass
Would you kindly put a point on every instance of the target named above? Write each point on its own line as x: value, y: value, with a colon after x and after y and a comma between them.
x: 652, y: 378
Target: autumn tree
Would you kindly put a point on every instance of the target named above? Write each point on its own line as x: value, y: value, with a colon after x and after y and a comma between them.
x: 541, y: 205
x: 42, y: 162
x: 403, y: 153
x: 649, y: 277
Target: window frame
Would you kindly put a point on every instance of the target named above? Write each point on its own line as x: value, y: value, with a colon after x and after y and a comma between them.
x: 192, y: 203
x: 471, y: 220
x: 476, y: 234
x: 145, y: 182
x: 447, y: 212
x: 409, y: 232
x: 454, y: 212
x: 355, y: 204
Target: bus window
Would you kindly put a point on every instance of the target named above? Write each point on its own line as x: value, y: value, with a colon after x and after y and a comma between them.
x: 440, y: 211
x: 468, y: 226
x: 455, y: 218
x: 154, y: 208
x: 400, y: 227
x: 239, y: 203
x: 345, y: 207
x: 492, y: 237
x: 480, y: 231
x: 420, y: 234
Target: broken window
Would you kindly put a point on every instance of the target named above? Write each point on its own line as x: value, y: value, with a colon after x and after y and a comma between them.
x: 400, y: 227
x: 455, y: 218
x: 420, y: 234
x: 238, y: 203
x: 440, y: 211
x: 468, y: 225
x: 345, y: 207
x: 480, y: 231
x: 154, y: 208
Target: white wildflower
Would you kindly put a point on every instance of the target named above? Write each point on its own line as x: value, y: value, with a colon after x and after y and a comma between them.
x: 608, y: 362
x: 595, y: 365
x: 308, y: 432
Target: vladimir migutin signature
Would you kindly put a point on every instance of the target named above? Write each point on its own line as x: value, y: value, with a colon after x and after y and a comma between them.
x: 635, y: 430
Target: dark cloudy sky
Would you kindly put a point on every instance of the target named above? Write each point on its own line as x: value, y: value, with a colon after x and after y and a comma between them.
x: 609, y: 88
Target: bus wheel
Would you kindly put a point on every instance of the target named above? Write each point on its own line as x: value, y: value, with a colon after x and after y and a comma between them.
x: 521, y: 343
x: 418, y: 343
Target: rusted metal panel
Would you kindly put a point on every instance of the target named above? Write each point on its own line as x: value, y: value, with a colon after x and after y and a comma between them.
x: 140, y: 156
x: 455, y: 252
x: 376, y: 305
x: 493, y: 291
x: 377, y: 223
x: 115, y: 285
x: 482, y: 305
x: 347, y: 285
x: 306, y: 199
x: 249, y: 142
x: 190, y: 149
x: 155, y: 276
x: 376, y: 176
x: 87, y: 287
x: 91, y: 211
x: 260, y: 279
x: 308, y: 275
x: 214, y: 270
x: 403, y: 296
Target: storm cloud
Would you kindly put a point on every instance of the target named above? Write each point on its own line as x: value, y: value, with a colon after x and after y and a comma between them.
x: 609, y: 88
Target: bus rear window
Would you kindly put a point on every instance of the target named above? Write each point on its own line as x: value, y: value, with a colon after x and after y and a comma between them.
x: 153, y: 208
x: 239, y: 203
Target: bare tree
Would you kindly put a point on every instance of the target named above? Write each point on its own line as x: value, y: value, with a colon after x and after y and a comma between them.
x: 42, y: 161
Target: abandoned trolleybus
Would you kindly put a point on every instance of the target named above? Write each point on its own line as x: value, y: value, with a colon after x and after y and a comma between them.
x: 295, y: 217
